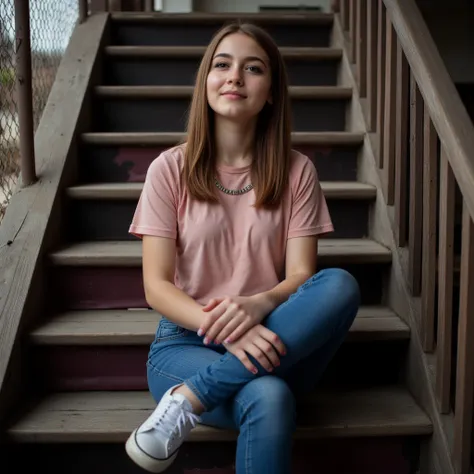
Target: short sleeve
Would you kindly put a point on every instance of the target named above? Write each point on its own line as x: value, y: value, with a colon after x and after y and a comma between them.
x: 156, y: 212
x: 309, y: 211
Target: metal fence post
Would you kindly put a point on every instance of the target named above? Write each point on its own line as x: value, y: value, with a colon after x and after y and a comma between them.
x: 24, y: 91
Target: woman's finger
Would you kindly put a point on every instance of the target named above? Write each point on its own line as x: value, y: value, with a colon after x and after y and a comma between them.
x: 213, y: 303
x: 242, y: 356
x: 273, y: 339
x: 259, y: 355
x: 218, y: 326
x: 268, y: 350
x: 220, y: 323
x: 240, y: 330
x: 212, y: 317
x: 235, y: 322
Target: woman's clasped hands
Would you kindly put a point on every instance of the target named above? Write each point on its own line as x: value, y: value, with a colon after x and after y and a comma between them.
x: 235, y: 322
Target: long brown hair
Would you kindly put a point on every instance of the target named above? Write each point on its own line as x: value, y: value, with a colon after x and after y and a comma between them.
x: 272, y: 150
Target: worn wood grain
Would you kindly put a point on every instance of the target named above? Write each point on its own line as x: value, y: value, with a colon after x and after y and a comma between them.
x: 415, y: 196
x: 372, y: 25
x: 331, y: 190
x: 401, y: 141
x: 157, y: 138
x: 288, y: 52
x: 147, y: 92
x: 22, y: 233
x: 361, y: 46
x: 138, y: 326
x: 381, y: 51
x: 112, y: 416
x: 429, y: 261
x: 353, y: 30
x: 390, y: 118
x: 445, y: 283
x: 316, y: 18
x: 123, y: 253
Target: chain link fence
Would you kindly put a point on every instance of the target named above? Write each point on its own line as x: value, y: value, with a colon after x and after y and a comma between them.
x: 51, y: 25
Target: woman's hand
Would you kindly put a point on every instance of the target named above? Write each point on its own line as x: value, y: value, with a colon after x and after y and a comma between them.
x: 261, y: 343
x: 231, y: 317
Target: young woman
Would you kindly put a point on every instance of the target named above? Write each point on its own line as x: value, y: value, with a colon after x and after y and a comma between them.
x: 230, y: 223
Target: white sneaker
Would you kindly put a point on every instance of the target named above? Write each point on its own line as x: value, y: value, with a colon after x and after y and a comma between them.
x: 154, y: 444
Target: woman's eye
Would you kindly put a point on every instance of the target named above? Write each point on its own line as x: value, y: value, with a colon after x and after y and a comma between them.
x: 255, y: 69
x: 220, y: 65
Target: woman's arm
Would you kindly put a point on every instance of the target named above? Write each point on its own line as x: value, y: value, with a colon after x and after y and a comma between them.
x: 227, y: 319
x: 301, y: 258
x: 159, y: 254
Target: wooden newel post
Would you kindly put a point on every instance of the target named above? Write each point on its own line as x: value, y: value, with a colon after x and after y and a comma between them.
x: 24, y: 91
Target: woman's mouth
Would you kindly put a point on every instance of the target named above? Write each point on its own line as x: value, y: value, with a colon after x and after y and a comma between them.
x: 233, y: 95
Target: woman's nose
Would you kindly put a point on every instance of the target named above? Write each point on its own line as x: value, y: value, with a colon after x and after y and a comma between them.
x: 235, y: 76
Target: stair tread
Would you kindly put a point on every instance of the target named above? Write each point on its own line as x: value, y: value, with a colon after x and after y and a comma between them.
x: 331, y: 189
x: 129, y: 253
x: 160, y: 138
x: 104, y: 416
x: 288, y: 52
x: 138, y: 326
x: 296, y: 92
x: 307, y: 17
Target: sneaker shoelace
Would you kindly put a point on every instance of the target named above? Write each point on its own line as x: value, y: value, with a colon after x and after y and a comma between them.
x: 174, y: 417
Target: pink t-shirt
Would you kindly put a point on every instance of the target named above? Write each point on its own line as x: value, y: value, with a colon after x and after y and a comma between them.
x: 229, y: 248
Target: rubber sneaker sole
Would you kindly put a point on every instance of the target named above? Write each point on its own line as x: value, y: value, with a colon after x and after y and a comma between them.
x: 145, y: 461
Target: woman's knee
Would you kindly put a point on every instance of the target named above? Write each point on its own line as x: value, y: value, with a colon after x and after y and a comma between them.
x: 343, y: 284
x: 268, y: 400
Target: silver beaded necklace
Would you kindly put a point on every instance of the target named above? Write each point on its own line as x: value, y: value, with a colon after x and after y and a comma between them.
x: 233, y: 192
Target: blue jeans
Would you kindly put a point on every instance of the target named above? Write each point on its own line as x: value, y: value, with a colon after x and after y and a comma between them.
x: 312, y: 324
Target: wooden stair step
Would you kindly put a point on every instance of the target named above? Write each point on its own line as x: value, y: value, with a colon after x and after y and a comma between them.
x: 129, y: 253
x: 138, y: 326
x: 306, y: 18
x: 110, y: 417
x: 175, y: 92
x: 169, y: 139
x: 174, y: 52
x: 129, y: 191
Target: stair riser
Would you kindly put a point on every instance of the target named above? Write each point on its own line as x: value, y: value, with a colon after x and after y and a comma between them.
x: 169, y: 115
x: 393, y: 455
x: 134, y: 34
x: 124, y: 367
x: 102, y: 164
x: 182, y: 71
x: 122, y: 287
x: 110, y: 219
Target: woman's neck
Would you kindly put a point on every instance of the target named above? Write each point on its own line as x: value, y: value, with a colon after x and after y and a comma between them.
x: 234, y: 142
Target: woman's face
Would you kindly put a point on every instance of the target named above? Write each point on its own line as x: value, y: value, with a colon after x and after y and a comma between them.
x: 239, y: 81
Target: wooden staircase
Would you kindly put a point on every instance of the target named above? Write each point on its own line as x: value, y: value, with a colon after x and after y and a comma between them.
x: 88, y: 352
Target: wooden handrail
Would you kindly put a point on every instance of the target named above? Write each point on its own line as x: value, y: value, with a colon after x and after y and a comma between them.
x: 449, y: 116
